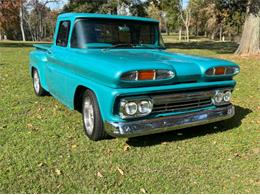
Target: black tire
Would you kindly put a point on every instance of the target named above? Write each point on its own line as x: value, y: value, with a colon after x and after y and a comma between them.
x: 37, y: 87
x: 91, y: 117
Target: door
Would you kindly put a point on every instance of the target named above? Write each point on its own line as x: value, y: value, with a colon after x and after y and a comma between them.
x: 58, y: 59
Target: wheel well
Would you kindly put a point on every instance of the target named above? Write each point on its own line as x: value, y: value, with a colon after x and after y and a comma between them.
x: 32, y: 69
x: 78, y: 97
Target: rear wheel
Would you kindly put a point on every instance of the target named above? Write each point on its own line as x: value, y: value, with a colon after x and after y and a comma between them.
x: 39, y: 91
x: 92, y: 119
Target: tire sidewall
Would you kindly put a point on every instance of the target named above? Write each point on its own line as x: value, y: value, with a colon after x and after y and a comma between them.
x: 41, y: 91
x: 98, y: 131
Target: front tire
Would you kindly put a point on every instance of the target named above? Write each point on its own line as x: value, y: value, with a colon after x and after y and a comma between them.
x: 38, y: 90
x: 92, y: 119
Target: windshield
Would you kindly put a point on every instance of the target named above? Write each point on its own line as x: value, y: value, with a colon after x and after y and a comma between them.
x: 115, y: 33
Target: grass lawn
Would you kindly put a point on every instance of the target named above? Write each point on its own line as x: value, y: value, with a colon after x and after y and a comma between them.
x: 43, y: 148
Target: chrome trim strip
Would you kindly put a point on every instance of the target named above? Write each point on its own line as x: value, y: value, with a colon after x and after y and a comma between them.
x: 180, y: 109
x: 163, y: 124
x: 182, y: 97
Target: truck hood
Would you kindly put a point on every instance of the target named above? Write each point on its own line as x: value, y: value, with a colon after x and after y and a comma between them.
x: 112, y: 63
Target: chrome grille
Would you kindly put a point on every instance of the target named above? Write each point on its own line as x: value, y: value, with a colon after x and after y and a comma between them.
x: 182, y: 101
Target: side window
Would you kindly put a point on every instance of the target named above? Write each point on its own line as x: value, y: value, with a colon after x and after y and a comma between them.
x: 63, y: 34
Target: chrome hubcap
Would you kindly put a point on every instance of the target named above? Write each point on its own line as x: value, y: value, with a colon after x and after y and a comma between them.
x: 88, y: 113
x: 36, y: 82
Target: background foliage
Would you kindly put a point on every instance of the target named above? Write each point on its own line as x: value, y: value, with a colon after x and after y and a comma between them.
x: 207, y: 16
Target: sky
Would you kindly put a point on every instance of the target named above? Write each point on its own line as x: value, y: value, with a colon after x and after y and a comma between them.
x: 58, y: 5
x: 63, y: 2
x: 185, y: 3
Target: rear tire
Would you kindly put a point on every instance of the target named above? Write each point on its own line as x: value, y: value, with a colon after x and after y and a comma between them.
x: 92, y: 119
x: 38, y: 90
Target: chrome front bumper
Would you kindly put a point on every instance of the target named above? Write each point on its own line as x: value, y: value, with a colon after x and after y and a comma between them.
x: 163, y: 124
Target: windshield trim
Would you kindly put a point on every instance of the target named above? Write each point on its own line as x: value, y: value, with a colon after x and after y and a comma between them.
x: 156, y: 44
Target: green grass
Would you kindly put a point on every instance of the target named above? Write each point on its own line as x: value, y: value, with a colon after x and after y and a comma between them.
x: 43, y: 148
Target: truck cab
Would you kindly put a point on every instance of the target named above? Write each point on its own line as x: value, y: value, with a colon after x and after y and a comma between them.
x: 116, y: 71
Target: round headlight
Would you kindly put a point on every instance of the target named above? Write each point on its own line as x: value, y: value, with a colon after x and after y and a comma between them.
x: 145, y: 107
x: 218, y: 97
x: 131, y: 108
x: 227, y: 96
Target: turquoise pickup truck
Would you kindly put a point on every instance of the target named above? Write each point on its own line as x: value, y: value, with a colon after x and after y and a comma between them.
x: 116, y: 72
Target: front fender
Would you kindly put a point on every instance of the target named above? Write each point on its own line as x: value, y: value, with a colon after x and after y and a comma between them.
x: 38, y: 60
x: 105, y: 95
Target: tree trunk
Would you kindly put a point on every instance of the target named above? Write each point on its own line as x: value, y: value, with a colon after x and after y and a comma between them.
x: 187, y: 33
x: 229, y: 36
x: 41, y: 25
x: 180, y: 33
x: 249, y: 43
x: 167, y: 27
x: 205, y: 34
x: 197, y: 28
x: 238, y: 29
x: 220, y: 32
x: 21, y: 19
x: 30, y: 29
x: 213, y: 35
x: 167, y: 31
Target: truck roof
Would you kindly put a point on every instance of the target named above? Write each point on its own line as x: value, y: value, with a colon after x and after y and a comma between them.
x: 74, y: 16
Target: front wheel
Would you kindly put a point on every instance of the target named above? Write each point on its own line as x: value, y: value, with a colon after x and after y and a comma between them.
x: 39, y: 91
x: 92, y: 119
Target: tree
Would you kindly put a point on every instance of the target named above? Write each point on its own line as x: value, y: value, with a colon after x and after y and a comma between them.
x: 9, y: 12
x: 40, y: 20
x: 246, y: 12
x: 21, y: 8
x: 13, y: 9
x: 185, y: 15
x: 249, y: 43
x: 167, y: 11
x: 136, y: 7
x: 26, y: 19
x: 155, y: 12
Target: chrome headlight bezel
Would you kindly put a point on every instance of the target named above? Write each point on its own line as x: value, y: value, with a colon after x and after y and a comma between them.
x: 138, y: 101
x: 221, y: 94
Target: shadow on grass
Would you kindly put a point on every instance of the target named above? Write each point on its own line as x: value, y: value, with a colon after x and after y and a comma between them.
x: 189, y: 133
x: 219, y: 47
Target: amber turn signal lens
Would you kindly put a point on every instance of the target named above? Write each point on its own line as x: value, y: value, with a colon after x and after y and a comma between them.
x: 220, y: 70
x: 223, y: 70
x: 146, y: 75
